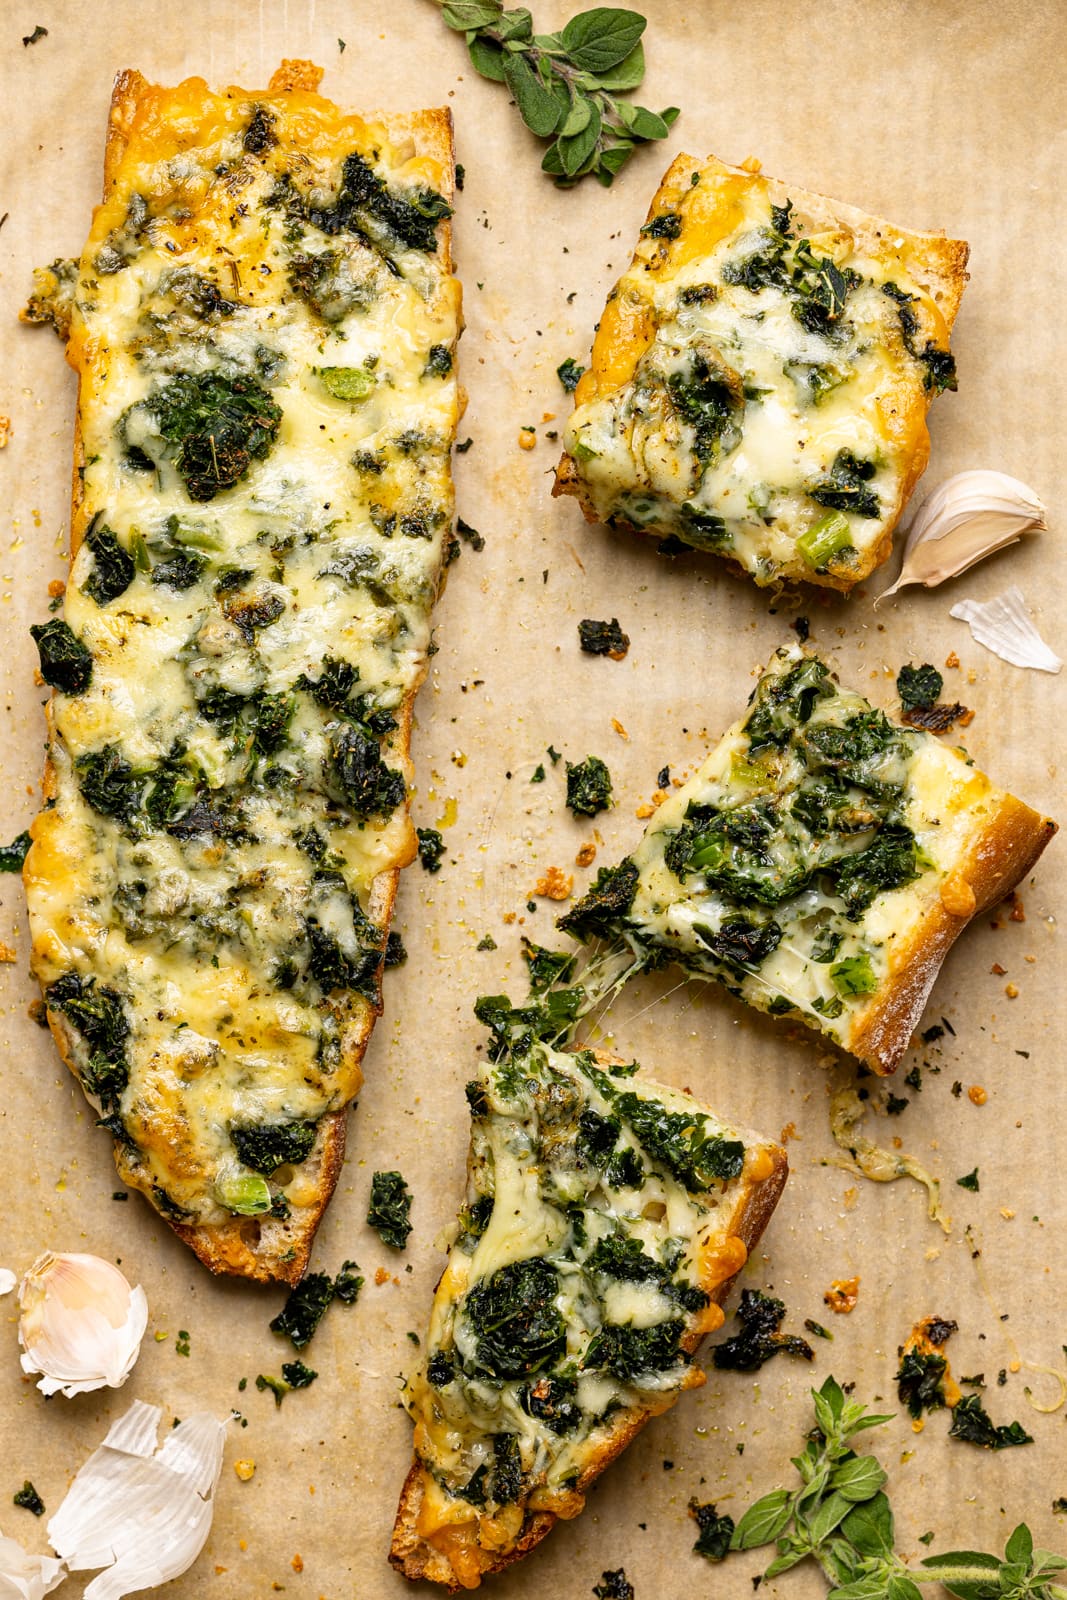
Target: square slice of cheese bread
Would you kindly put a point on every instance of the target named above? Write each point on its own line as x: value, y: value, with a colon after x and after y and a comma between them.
x: 263, y: 323
x: 604, y: 1221
x: 819, y: 863
x: 761, y: 374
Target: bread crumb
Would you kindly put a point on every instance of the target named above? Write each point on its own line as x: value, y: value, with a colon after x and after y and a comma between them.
x: 918, y: 1424
x: 952, y: 659
x: 850, y: 1196
x: 1012, y: 991
x: 977, y: 1095
x: 297, y: 1563
x: 57, y: 588
x: 548, y: 416
x: 5, y: 431
x: 527, y: 439
x: 659, y: 796
x: 965, y: 718
x: 242, y: 1544
x: 1007, y: 1213
x: 554, y: 884
x: 788, y: 1132
x: 644, y: 811
x: 220, y: 1570
x: 997, y: 970
x: 619, y: 729
x: 7, y: 954
x: 586, y: 855
x: 245, y: 1470
x: 842, y: 1295
x: 508, y: 918
x: 381, y: 1276
x: 1018, y: 910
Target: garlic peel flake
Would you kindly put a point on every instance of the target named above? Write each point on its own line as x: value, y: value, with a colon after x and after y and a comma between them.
x: 1003, y: 626
x: 26, y: 1577
x: 80, y: 1323
x: 964, y: 520
x: 8, y: 1281
x: 141, y: 1513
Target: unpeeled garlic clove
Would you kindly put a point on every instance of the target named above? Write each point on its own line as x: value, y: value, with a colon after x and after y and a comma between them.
x: 80, y: 1323
x: 1003, y: 625
x: 964, y: 520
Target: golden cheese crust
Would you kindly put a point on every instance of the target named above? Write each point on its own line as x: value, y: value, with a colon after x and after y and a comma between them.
x: 935, y: 264
x: 418, y: 1559
x: 267, y: 1249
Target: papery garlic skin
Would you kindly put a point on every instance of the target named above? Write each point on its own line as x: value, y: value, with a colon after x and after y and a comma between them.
x: 8, y: 1281
x: 26, y: 1577
x: 80, y: 1324
x: 965, y: 519
x: 1003, y: 625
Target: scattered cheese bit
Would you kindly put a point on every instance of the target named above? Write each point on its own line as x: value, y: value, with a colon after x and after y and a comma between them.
x: 554, y: 884
x: 645, y: 811
x: 5, y: 431
x: 965, y: 719
x: 1007, y: 1213
x: 244, y: 1470
x: 297, y: 1563
x: 382, y: 1275
x: 842, y: 1295
x: 619, y: 729
x: 1012, y: 991
x: 977, y: 1095
x: 57, y: 588
x: 788, y: 1132
x: 586, y: 855
x: 952, y: 659
x: 997, y: 970
x: 659, y: 796
x: 7, y: 953
x: 508, y: 918
x: 527, y: 439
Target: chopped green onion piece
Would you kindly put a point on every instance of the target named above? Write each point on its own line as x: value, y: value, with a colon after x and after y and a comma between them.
x: 825, y: 539
x: 246, y: 1193
x: 854, y: 975
x: 347, y: 383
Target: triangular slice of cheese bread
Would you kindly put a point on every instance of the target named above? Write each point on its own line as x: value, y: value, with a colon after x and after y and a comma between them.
x: 604, y: 1220
x: 820, y: 863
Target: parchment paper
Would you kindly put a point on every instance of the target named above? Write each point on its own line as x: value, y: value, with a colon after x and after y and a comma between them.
x: 944, y: 114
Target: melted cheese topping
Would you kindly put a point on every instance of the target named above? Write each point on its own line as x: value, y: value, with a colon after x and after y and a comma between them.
x: 252, y: 680
x: 754, y: 371
x: 578, y: 1286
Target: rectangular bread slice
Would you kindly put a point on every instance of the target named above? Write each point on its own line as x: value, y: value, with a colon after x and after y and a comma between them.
x: 263, y: 323
x: 819, y: 863
x: 605, y: 1219
x: 760, y: 378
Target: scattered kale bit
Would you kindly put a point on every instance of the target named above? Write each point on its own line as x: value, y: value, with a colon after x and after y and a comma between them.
x: 395, y: 951
x: 348, y: 1283
x: 486, y: 942
x: 895, y: 1104
x: 297, y: 1375
x: 546, y: 967
x: 971, y: 1423
x: 278, y: 1386
x: 66, y: 663
x: 681, y: 1141
x: 969, y: 1181
x: 761, y: 1317
x: 715, y: 1531
x: 921, y: 1381
x: 371, y: 788
x: 32, y: 38
x: 913, y: 1078
x: 463, y: 447
x: 260, y: 135
x: 538, y: 774
x: 303, y: 1310
x: 614, y: 1586
x: 919, y: 686
x: 471, y: 535
x: 817, y: 1329
x: 431, y: 848
x: 605, y: 904
x: 113, y: 567
x: 518, y: 1328
x: 846, y: 488
x: 939, y: 1330
x: 802, y: 628
x: 668, y: 225
x: 603, y: 638
x: 663, y: 777
x: 568, y: 372
x: 555, y: 756
x: 266, y: 1146
x: 27, y: 1497
x: 627, y: 1352
x: 389, y: 1211
x: 932, y: 1034
x: 1059, y: 1505
x: 217, y: 426
x: 181, y: 1343
x: 588, y: 787
x: 14, y: 854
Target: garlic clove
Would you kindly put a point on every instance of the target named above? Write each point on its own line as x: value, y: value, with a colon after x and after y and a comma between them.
x: 80, y: 1323
x: 8, y: 1281
x: 25, y: 1576
x: 964, y: 520
x: 1003, y: 625
x: 142, y: 1514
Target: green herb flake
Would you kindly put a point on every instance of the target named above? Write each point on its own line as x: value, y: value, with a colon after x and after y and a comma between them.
x: 568, y: 372
x: 588, y: 787
x: 713, y: 1542
x: 181, y: 1343
x: 14, y: 854
x: 919, y: 687
x: 761, y: 1317
x: 28, y: 1498
x: 303, y: 1310
x: 389, y: 1211
x: 431, y: 848
x: 971, y: 1423
x: 969, y: 1181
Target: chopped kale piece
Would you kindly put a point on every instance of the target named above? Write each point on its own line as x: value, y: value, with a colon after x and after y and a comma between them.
x: 431, y: 848
x: 551, y: 1401
x: 603, y: 638
x: 98, y: 1012
x: 113, y: 567
x: 741, y: 944
x: 588, y: 787
x: 505, y: 1481
x: 395, y: 951
x: 66, y: 663
x: 259, y: 135
x: 14, y: 854
x: 969, y: 1181
x: 518, y: 1327
x: 846, y: 488
x: 334, y: 685
x: 297, y: 1375
x: 895, y: 1104
x: 546, y: 967
x: 821, y: 288
x: 348, y: 1283
x: 411, y: 216
x: 817, y: 1329
x: 216, y: 427
x: 605, y: 904
x: 370, y: 787
x: 439, y: 1370
x: 266, y: 1146
x: 921, y: 1381
x: 180, y: 571
x: 889, y: 863
x: 971, y: 1422
x: 471, y: 535
x: 28, y: 1498
x: 716, y: 1532
x: 278, y: 1386
x: 705, y: 400
x: 761, y: 1317
x: 568, y: 372
x: 682, y: 1142
x: 538, y: 774
x: 389, y: 1212
x: 616, y: 1256
x: 668, y: 225
x: 332, y: 968
x: 627, y: 1352
x: 919, y: 686
x: 438, y: 362
x: 304, y: 1309
x: 614, y: 1586
x: 940, y: 368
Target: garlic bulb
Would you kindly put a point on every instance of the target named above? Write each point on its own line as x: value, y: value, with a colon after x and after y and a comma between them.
x: 965, y: 519
x: 1003, y: 626
x: 25, y: 1576
x: 140, y: 1513
x: 81, y: 1324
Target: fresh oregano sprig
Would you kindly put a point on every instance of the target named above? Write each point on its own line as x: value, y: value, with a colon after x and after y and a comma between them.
x: 566, y: 84
x: 841, y: 1518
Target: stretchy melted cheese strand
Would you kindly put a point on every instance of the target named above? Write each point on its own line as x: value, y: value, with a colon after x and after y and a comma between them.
x: 820, y: 863
x: 761, y: 375
x: 264, y: 324
x: 604, y: 1220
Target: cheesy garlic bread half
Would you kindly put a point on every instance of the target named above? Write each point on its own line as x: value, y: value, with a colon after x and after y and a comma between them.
x: 819, y: 864
x: 263, y: 323
x: 604, y: 1220
x: 761, y: 375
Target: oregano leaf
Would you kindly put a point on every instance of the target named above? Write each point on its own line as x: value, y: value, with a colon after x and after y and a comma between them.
x: 487, y: 58
x: 628, y: 74
x: 599, y: 39
x: 464, y: 14
x: 537, y: 105
x: 763, y: 1521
